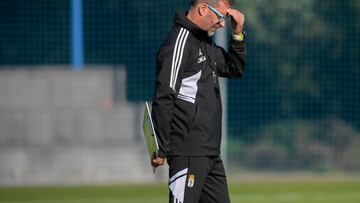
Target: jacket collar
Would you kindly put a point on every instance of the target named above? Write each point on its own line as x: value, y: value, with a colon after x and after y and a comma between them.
x: 181, y: 19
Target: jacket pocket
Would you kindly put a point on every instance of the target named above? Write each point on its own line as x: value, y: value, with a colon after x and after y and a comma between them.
x: 184, y: 115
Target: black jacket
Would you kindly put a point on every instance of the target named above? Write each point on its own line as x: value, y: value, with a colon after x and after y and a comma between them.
x: 186, y: 108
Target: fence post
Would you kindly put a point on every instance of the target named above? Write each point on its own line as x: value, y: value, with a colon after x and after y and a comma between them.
x: 77, y: 35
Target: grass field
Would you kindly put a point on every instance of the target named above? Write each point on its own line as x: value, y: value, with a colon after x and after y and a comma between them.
x: 249, y: 192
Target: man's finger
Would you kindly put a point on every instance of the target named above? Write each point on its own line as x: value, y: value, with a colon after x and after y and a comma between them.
x: 157, y: 162
x: 233, y: 12
x: 154, y: 163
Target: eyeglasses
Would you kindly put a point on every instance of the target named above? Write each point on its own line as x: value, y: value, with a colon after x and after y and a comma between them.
x: 220, y: 16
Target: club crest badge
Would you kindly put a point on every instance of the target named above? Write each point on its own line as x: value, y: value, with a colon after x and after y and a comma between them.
x: 191, y: 181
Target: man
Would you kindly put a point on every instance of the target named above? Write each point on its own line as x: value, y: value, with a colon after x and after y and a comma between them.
x: 187, y: 106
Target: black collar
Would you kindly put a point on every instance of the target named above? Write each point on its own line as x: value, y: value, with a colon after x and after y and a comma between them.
x: 181, y: 19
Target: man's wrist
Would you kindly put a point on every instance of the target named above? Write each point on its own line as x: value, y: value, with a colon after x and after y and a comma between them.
x: 239, y: 37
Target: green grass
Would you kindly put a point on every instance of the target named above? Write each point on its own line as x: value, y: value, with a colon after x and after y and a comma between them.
x: 249, y: 192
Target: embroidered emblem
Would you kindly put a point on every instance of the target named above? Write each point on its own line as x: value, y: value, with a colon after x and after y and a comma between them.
x: 191, y: 181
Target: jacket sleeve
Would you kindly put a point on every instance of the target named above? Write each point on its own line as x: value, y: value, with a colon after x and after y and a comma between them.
x: 167, y: 79
x: 232, y: 63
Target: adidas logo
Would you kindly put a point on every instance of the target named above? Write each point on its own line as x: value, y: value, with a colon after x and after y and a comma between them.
x: 201, y: 57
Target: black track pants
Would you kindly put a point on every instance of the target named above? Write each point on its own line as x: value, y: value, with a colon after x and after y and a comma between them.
x: 197, y: 180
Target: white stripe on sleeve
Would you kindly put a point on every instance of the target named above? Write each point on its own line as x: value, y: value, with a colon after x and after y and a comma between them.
x: 177, y: 56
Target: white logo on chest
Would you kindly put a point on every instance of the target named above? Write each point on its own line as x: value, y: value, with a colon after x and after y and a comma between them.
x: 201, y: 57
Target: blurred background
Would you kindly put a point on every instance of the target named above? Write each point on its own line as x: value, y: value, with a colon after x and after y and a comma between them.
x: 74, y: 75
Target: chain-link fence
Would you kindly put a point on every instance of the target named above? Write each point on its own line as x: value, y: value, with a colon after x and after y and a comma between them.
x: 297, y: 107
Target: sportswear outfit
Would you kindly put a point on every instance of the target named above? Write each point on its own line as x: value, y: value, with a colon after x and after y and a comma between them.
x: 187, y: 110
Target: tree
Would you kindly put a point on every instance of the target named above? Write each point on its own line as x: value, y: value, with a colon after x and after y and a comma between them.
x: 303, y: 62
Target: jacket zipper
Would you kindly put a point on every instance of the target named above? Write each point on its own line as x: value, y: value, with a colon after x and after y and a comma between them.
x: 213, y: 68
